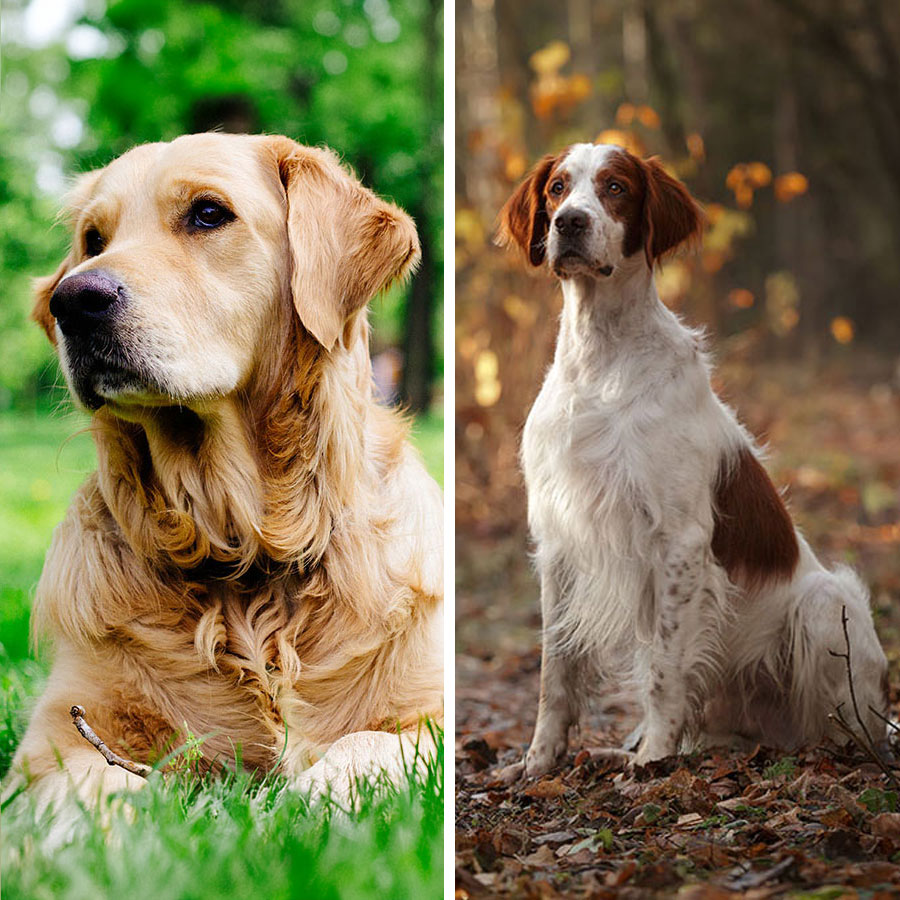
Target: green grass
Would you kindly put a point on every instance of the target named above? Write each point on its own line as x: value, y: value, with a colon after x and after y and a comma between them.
x: 189, y: 839
x: 42, y: 462
x: 235, y: 836
x: 428, y: 436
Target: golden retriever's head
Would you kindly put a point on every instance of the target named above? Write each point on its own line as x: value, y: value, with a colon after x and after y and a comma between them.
x: 189, y: 257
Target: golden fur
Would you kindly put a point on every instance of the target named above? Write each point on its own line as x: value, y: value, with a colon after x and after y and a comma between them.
x: 258, y: 556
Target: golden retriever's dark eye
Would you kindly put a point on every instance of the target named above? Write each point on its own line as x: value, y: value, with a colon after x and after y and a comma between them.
x: 93, y: 242
x: 208, y: 214
x: 557, y: 187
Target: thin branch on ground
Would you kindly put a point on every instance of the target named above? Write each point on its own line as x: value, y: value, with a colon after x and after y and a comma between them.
x: 846, y: 657
x: 865, y: 743
x: 88, y: 733
x: 892, y: 725
x: 869, y: 751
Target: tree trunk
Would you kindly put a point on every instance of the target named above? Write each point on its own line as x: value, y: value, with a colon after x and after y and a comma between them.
x: 418, y: 319
x: 418, y: 345
x: 477, y: 85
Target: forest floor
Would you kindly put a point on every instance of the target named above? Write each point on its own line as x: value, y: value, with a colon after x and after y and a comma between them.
x: 821, y: 823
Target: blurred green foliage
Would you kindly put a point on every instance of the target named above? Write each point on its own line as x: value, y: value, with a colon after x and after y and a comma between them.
x: 363, y: 76
x: 27, y: 247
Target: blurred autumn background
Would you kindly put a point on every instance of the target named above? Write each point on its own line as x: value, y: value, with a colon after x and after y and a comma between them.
x: 783, y: 118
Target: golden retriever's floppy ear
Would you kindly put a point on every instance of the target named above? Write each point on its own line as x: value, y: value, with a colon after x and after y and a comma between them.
x: 43, y: 288
x: 523, y: 219
x: 671, y: 216
x: 346, y: 243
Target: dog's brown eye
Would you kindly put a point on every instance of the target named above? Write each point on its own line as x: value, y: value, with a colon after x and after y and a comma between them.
x: 93, y: 242
x: 557, y: 187
x: 615, y: 188
x: 209, y: 214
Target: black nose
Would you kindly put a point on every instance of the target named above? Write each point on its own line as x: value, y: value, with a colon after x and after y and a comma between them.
x: 571, y: 222
x: 84, y: 301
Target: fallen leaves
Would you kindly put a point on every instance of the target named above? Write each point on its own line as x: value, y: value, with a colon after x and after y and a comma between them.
x: 714, y: 825
x: 886, y: 825
x: 545, y: 788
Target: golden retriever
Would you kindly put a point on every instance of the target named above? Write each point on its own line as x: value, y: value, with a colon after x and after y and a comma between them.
x: 259, y: 556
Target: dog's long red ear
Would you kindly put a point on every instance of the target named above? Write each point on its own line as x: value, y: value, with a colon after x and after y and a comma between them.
x: 671, y: 216
x: 346, y: 244
x: 523, y: 219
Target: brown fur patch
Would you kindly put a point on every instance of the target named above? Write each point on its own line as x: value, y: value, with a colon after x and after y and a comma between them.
x: 628, y: 206
x: 753, y: 539
x: 524, y: 219
x: 671, y: 217
x: 657, y: 211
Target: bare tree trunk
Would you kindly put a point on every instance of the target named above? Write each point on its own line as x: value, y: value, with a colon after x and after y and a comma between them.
x: 663, y: 60
x: 585, y: 57
x: 634, y: 51
x: 418, y: 320
x: 418, y: 343
x: 882, y: 99
x: 788, y: 253
x: 478, y: 112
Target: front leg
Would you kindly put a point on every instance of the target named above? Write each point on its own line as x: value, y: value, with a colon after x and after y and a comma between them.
x: 681, y: 651
x: 558, y: 702
x: 62, y: 773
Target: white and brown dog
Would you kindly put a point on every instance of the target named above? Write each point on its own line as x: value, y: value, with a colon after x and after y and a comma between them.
x: 663, y: 549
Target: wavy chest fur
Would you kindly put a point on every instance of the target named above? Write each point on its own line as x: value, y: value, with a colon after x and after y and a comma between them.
x: 586, y: 507
x: 257, y: 673
x: 579, y: 457
x: 280, y: 669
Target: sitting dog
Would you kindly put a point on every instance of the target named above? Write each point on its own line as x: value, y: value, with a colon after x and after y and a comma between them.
x: 258, y: 558
x: 664, y: 551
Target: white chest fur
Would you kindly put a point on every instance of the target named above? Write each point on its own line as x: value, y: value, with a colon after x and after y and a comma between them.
x: 621, y: 448
x: 575, y: 459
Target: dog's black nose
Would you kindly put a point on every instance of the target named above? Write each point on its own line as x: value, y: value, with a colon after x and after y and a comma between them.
x: 571, y: 222
x: 82, y: 302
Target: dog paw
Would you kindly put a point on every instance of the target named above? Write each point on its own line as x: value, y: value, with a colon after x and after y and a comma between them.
x: 615, y: 755
x: 541, y: 758
x: 652, y: 750
x: 512, y: 773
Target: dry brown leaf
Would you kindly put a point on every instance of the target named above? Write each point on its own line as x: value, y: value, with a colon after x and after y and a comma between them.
x: 886, y: 825
x: 546, y: 788
x: 543, y: 856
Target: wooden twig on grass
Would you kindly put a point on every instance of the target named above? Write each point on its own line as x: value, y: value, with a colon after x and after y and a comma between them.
x: 867, y: 745
x: 88, y: 733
